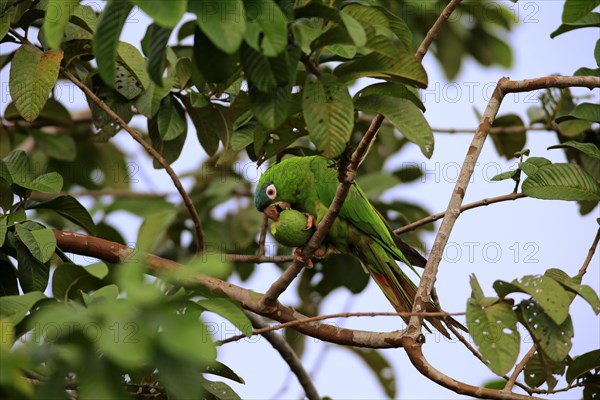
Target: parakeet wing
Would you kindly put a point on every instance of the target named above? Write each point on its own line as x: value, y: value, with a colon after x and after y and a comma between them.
x: 357, y: 210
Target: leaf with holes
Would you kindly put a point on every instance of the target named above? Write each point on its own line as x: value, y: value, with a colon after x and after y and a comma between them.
x: 106, y: 38
x: 405, y: 116
x: 540, y: 369
x: 574, y: 285
x: 135, y: 63
x: 33, y: 74
x: 548, y: 293
x: 563, y: 181
x: 328, y: 112
x: 583, y: 364
x: 494, y: 330
x: 552, y: 338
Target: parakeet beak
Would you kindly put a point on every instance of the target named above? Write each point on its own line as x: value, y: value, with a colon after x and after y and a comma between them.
x: 275, y: 209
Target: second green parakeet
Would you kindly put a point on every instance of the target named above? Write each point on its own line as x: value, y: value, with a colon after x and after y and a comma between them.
x: 308, y: 185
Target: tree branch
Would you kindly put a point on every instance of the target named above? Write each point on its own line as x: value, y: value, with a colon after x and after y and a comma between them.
x: 338, y: 315
x: 434, y: 217
x: 496, y: 129
x: 281, y: 284
x: 263, y: 236
x: 288, y: 355
x: 518, y: 369
x: 415, y: 354
x: 435, y: 29
x: 187, y: 201
x: 503, y: 87
x: 590, y: 254
x: 117, y: 253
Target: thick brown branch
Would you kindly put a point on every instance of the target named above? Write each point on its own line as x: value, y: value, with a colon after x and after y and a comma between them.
x: 435, y: 29
x: 281, y: 284
x: 187, y: 201
x: 114, y: 253
x: 590, y: 254
x: 289, y: 356
x: 415, y: 354
x: 434, y: 217
x: 503, y: 87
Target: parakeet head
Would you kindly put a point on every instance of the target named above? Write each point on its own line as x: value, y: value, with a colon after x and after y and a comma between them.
x: 278, y: 188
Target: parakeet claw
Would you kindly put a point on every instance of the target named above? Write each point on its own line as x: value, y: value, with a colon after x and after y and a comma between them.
x: 310, y: 221
x: 298, y: 256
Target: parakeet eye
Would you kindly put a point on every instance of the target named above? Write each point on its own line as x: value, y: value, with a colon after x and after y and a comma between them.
x: 271, y: 191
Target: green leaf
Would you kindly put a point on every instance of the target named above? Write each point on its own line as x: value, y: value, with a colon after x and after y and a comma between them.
x: 171, y: 119
x: 589, y: 149
x: 266, y: 29
x: 3, y: 230
x: 106, y: 38
x: 573, y: 10
x: 8, y: 275
x: 69, y: 208
x: 154, y: 229
x: 170, y: 150
x: 552, y: 338
x: 380, y: 366
x: 392, y: 89
x: 60, y: 147
x: 585, y: 111
x: 17, y: 307
x: 574, y: 285
x: 271, y: 108
x: 583, y: 364
x: 148, y: 103
x: 229, y: 310
x: 157, y: 38
x: 223, y: 371
x: 591, y: 20
x: 532, y: 165
x: 267, y: 73
x: 328, y: 112
x: 402, y: 66
x: 583, y: 71
x: 58, y: 13
x: 40, y: 242
x: 214, y: 64
x: 219, y: 390
x: 165, y: 13
x: 405, y: 116
x: 186, y: 337
x: 508, y: 144
x: 544, y: 290
x: 514, y: 175
x: 33, y: 74
x: 211, y: 265
x: 52, y: 182
x: 494, y: 330
x: 69, y: 280
x: 354, y: 28
x: 222, y: 21
x: 564, y: 181
x: 135, y: 63
x: 207, y: 121
x: 33, y: 275
x: 539, y: 370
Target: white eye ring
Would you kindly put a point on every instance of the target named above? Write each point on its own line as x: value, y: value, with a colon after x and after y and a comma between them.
x: 271, y: 191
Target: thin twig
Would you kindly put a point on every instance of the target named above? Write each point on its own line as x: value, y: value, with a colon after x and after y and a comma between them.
x: 305, y: 58
x: 288, y: 355
x: 257, y: 259
x: 340, y: 315
x: 518, y: 369
x: 495, y: 129
x: 434, y: 217
x: 263, y: 236
x: 281, y: 284
x: 435, y: 29
x: 590, y: 254
x: 150, y: 150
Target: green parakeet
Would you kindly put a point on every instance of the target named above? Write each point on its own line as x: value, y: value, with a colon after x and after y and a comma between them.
x: 308, y: 184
